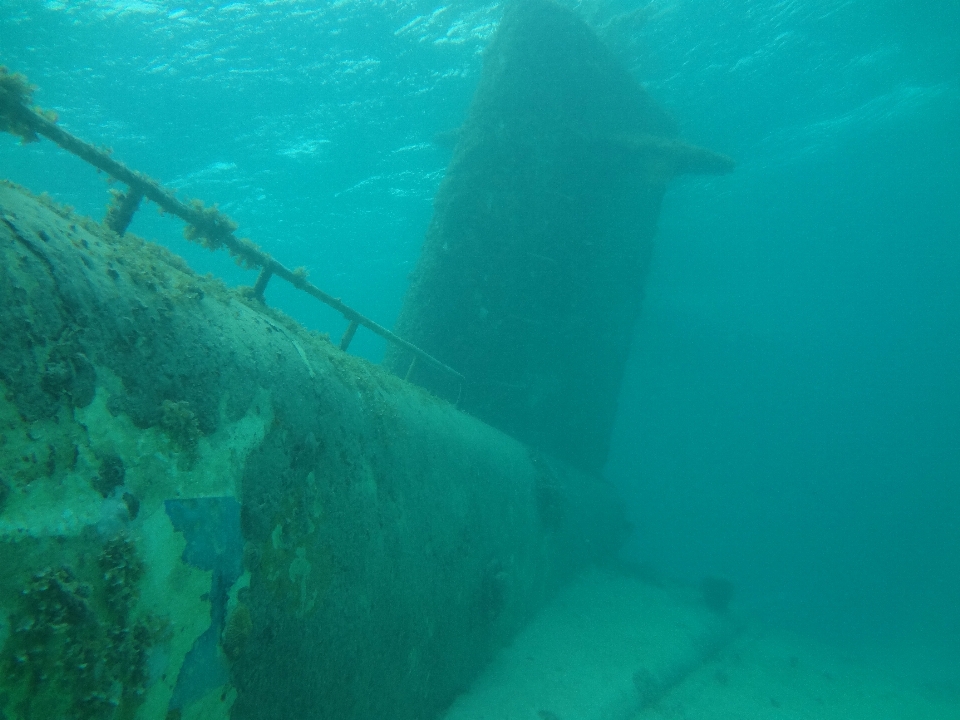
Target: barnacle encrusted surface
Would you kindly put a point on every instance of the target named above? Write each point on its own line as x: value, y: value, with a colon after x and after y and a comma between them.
x: 235, y: 518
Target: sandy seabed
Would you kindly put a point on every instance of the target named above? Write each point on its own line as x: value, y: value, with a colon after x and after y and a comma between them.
x: 614, y: 646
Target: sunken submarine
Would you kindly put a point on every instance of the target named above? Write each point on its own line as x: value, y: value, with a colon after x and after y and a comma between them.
x: 208, y: 511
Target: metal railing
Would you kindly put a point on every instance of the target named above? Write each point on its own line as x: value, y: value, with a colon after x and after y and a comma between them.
x: 205, y: 225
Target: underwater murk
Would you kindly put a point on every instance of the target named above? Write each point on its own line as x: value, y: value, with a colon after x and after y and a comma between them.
x: 544, y: 360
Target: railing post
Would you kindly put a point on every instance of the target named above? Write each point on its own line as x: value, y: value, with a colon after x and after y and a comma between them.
x: 262, y: 279
x: 348, y: 335
x: 121, y: 209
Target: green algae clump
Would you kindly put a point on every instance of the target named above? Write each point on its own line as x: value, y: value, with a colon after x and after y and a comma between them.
x: 74, y: 649
x: 16, y: 94
x: 180, y: 424
x: 211, y: 229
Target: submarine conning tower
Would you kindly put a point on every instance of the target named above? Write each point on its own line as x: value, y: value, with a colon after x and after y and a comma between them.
x: 531, y: 275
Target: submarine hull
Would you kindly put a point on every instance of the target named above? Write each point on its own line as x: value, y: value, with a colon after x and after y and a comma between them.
x: 208, y: 511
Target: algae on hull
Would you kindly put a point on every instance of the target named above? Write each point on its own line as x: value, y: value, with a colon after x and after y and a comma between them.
x: 308, y: 526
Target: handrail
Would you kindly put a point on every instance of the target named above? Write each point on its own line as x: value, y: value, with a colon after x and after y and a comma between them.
x: 206, y: 225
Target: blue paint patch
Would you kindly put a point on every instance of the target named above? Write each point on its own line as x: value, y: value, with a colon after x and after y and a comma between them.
x: 211, y: 527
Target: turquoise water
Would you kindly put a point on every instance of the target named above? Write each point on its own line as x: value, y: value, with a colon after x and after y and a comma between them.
x: 790, y: 417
